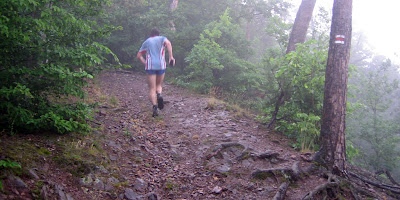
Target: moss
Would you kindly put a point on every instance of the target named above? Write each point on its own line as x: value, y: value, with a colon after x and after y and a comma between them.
x: 121, y: 184
x: 169, y: 185
x: 344, y: 184
x: 43, y: 151
x: 263, y: 175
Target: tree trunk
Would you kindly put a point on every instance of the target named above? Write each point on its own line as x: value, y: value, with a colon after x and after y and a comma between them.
x: 332, y: 137
x: 172, y: 6
x: 298, y: 35
x: 390, y: 177
x: 301, y: 23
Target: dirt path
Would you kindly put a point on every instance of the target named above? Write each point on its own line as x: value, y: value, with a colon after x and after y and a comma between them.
x: 191, y: 151
x: 198, y: 148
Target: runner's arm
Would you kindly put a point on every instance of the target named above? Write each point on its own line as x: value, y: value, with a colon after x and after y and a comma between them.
x: 139, y: 56
x: 168, y: 44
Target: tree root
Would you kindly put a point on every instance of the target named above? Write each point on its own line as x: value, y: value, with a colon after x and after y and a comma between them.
x: 334, y: 186
x: 246, y: 152
x: 217, y: 150
x: 332, y: 182
x: 291, y: 174
x: 267, y: 155
x: 280, y: 195
x: 393, y: 189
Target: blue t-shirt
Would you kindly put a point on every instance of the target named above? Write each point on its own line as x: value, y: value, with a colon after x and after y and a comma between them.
x: 154, y: 48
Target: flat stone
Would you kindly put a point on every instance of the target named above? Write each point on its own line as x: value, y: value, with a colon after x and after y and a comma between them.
x: 131, y: 195
x: 223, y: 169
x: 217, y: 190
x: 140, y: 185
x: 98, y: 184
x: 113, y: 158
x: 113, y: 180
x: 33, y: 174
x: 17, y: 182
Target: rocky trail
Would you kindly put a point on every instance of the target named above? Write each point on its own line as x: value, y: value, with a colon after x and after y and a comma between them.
x: 198, y: 148
x: 195, y: 149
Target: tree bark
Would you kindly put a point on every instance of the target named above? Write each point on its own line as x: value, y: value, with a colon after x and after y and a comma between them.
x: 390, y: 177
x: 301, y: 23
x: 332, y: 137
x: 172, y: 6
x: 298, y: 35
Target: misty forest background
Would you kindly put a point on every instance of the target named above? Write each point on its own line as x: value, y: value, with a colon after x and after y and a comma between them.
x: 234, y: 50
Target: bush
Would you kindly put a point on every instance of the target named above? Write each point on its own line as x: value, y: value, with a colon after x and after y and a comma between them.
x: 47, y: 54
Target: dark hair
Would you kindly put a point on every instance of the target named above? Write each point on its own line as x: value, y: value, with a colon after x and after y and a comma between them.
x: 154, y: 32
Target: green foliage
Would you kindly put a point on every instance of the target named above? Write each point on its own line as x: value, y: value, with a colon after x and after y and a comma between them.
x: 280, y: 30
x: 217, y: 60
x: 372, y: 129
x: 137, y: 18
x: 7, y: 164
x: 351, y: 151
x: 300, y: 75
x: 48, y: 51
x: 305, y: 130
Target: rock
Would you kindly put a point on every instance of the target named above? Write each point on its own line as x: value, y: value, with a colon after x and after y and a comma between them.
x: 33, y: 174
x: 152, y: 196
x: 103, y: 169
x: 140, y: 185
x: 246, y: 163
x: 114, y: 145
x: 131, y: 195
x: 46, y: 167
x: 113, y: 180
x: 113, y: 158
x: 62, y: 195
x: 102, y: 113
x: 44, y: 192
x: 109, y: 187
x: 223, y: 169
x: 86, y: 181
x: 98, y: 184
x: 228, y: 134
x: 17, y: 182
x: 217, y: 190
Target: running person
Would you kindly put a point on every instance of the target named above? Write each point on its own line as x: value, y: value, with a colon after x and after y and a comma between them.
x: 155, y: 65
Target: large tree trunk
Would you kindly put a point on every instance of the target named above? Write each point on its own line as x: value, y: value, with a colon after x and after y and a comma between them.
x: 172, y: 6
x: 332, y: 137
x: 298, y: 35
x: 301, y: 23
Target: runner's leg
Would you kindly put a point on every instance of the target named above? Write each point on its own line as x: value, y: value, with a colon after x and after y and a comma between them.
x: 151, y: 81
x: 160, y: 100
x: 159, y: 81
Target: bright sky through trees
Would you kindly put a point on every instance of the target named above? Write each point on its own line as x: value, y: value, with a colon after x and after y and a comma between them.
x: 377, y: 20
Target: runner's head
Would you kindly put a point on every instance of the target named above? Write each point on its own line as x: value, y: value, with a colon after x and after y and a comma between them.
x: 154, y: 32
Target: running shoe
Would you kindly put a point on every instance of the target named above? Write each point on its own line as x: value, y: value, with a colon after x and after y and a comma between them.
x: 160, y: 101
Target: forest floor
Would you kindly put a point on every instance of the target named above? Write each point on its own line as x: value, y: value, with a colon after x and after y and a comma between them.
x: 198, y: 148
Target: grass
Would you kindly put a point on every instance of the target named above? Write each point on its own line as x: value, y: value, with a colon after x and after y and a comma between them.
x: 113, y: 101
